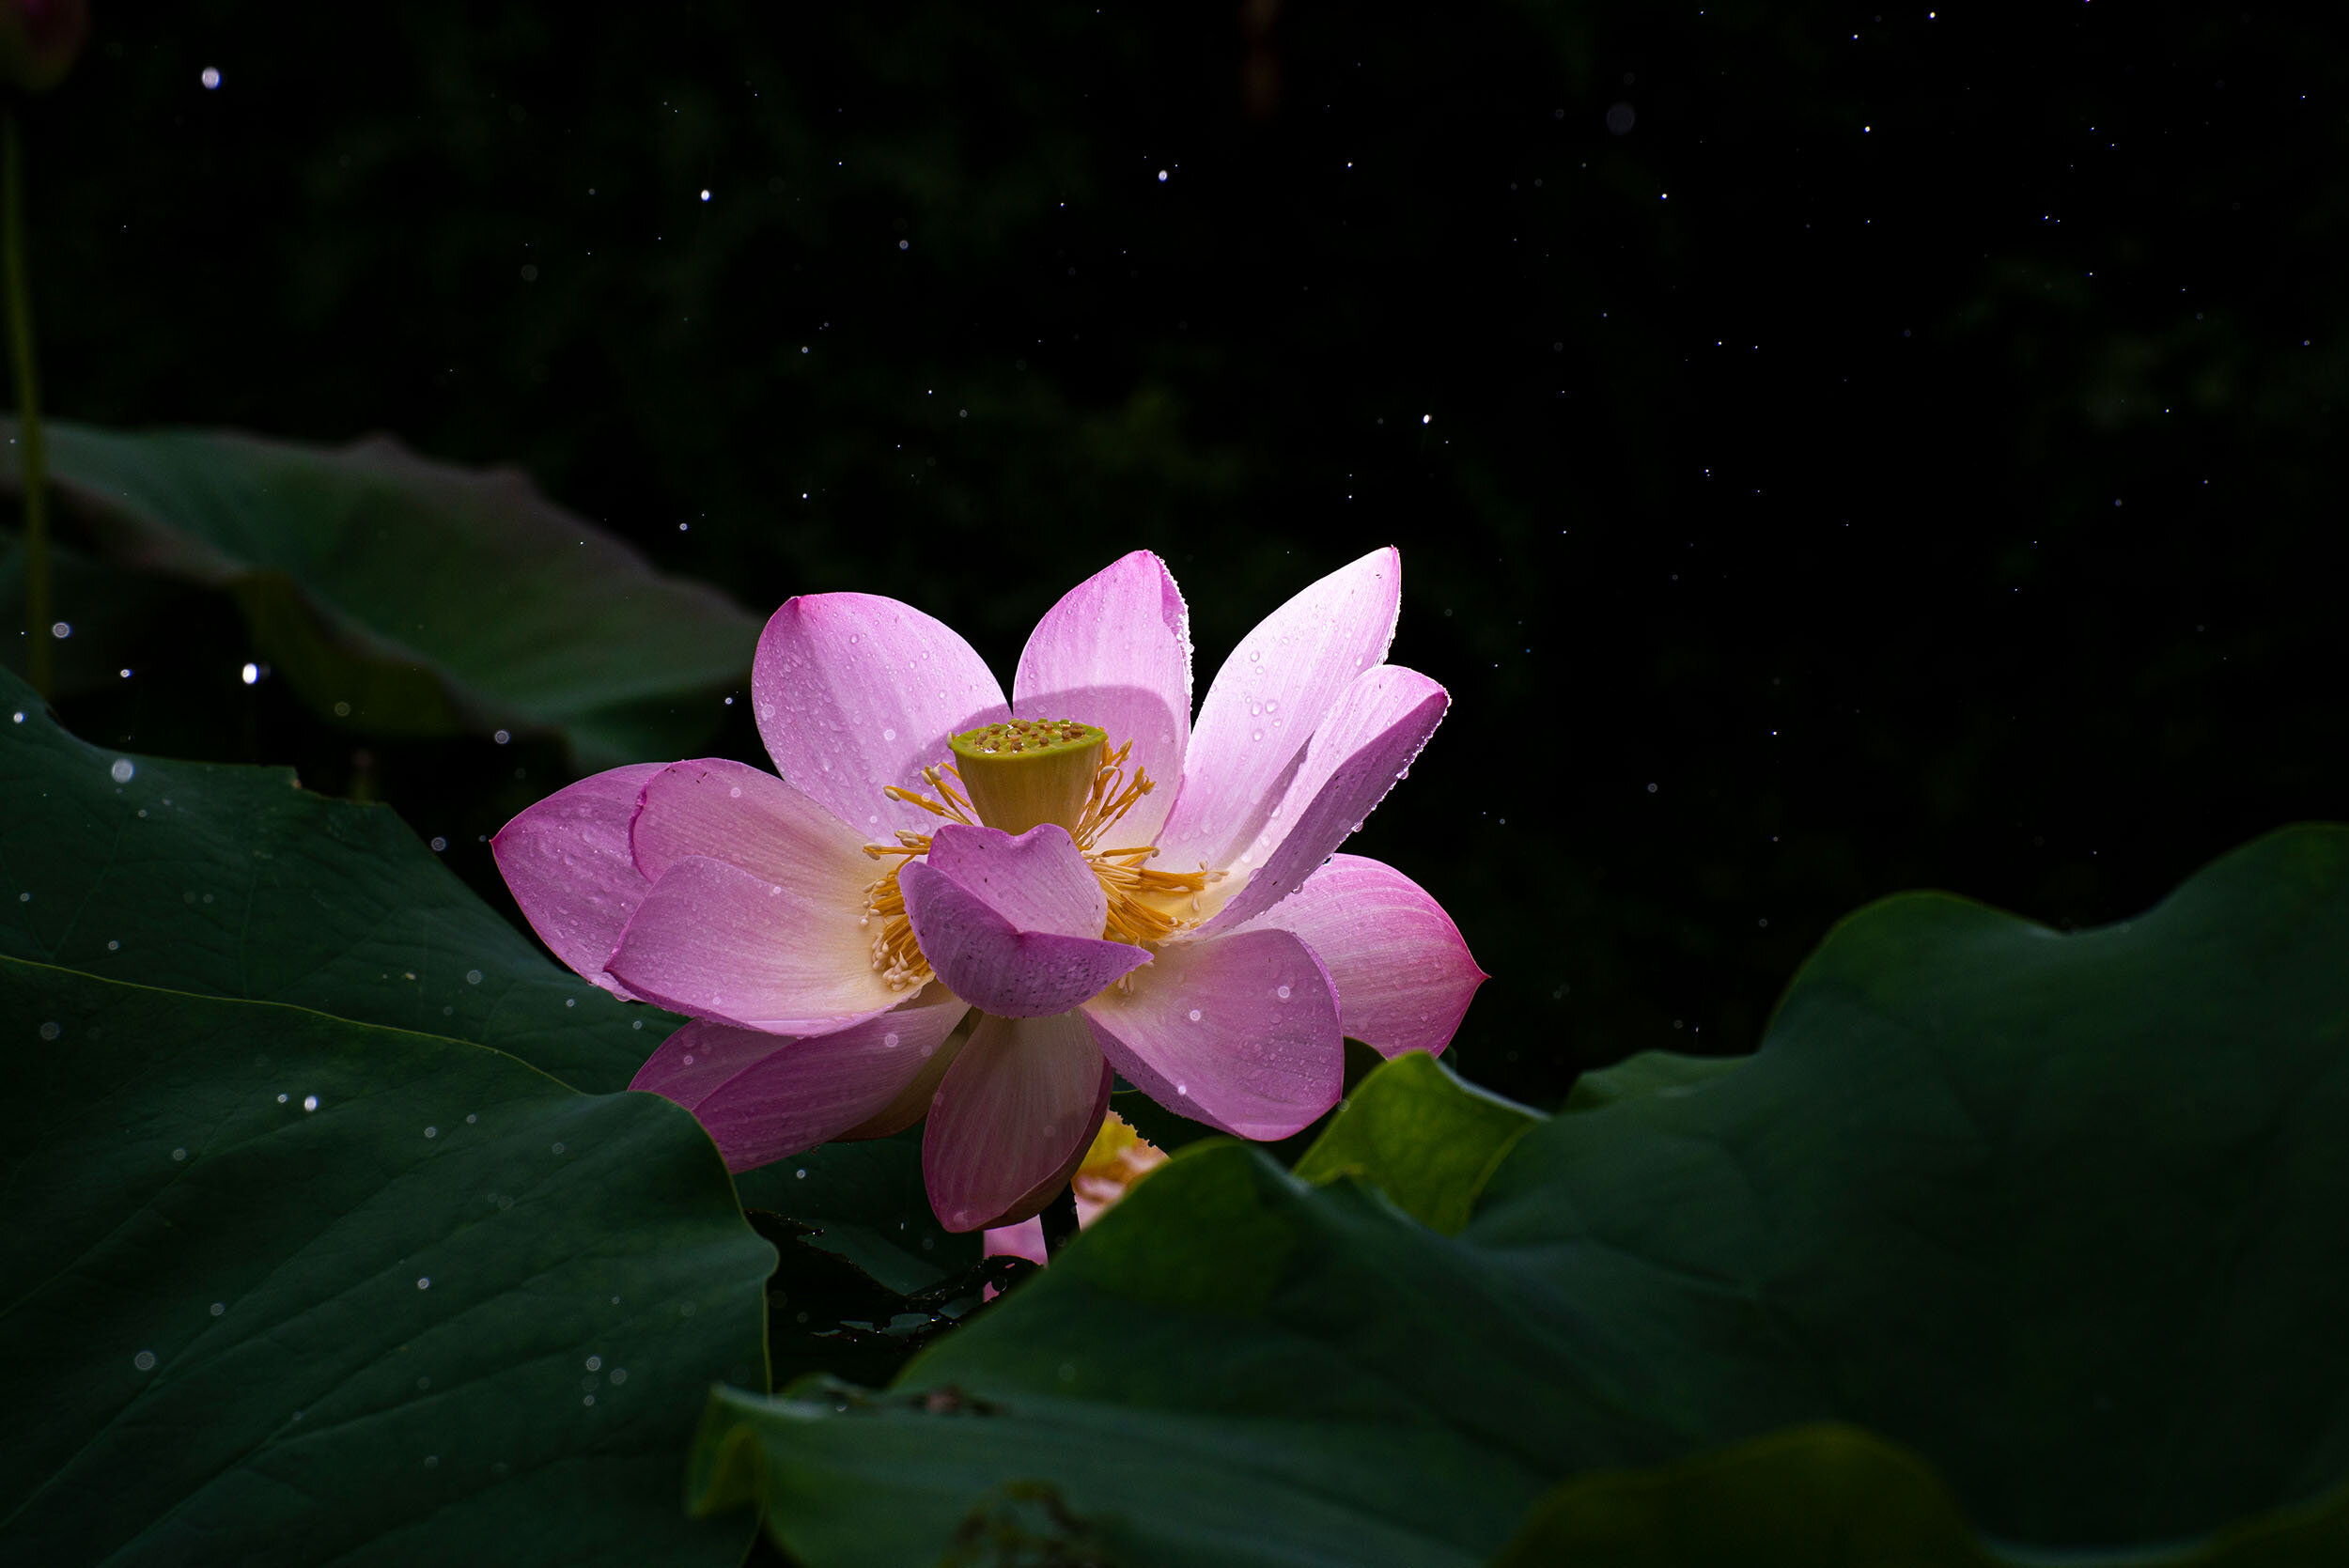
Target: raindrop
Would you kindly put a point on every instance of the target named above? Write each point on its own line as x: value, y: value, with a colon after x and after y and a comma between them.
x: 587, y: 1399
x: 143, y: 1361
x: 310, y: 1102
x: 889, y: 734
x: 1282, y: 993
x: 1254, y: 654
x: 51, y: 1029
x: 689, y: 1057
x: 1194, y: 1015
x: 473, y: 977
x: 619, y: 1376
x: 179, y: 1154
x: 558, y: 1148
x: 114, y: 947
x: 1182, y: 1089
x: 210, y: 78
x: 432, y: 1132
x: 219, y: 1307
x: 800, y: 1173
x: 281, y: 1099
x: 431, y: 1461
x: 471, y: 1118
x: 595, y: 1363
x: 501, y: 737
x: 1255, y: 734
x: 425, y: 1282
x: 250, y: 675
x: 889, y: 1042
x: 122, y: 769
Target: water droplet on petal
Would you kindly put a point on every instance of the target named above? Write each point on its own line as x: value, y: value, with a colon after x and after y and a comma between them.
x: 1282, y: 993
x: 1194, y: 1015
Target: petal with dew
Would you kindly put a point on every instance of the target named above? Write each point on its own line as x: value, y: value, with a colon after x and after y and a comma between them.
x: 854, y: 692
x: 1115, y: 652
x: 1013, y: 1118
x: 748, y: 817
x: 1361, y: 749
x: 1267, y: 700
x: 1238, y: 1031
x: 720, y: 943
x: 1402, y: 973
x: 762, y: 1096
x: 990, y: 962
x: 566, y: 860
x: 1039, y: 880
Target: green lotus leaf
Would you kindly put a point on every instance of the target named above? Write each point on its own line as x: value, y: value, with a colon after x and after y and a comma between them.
x: 286, y: 1288
x: 411, y: 597
x: 2057, y: 1215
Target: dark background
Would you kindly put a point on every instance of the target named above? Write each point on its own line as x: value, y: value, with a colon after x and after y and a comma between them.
x: 1833, y: 449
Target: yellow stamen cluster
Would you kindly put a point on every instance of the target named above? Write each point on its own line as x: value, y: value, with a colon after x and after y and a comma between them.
x: 1145, y: 906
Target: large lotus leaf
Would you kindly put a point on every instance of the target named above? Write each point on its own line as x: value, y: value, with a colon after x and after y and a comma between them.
x: 413, y: 597
x: 1421, y: 1136
x: 282, y: 1288
x: 236, y: 882
x: 1838, y: 1496
x: 2060, y: 1214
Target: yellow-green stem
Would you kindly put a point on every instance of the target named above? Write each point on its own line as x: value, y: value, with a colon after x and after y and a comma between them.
x: 32, y: 465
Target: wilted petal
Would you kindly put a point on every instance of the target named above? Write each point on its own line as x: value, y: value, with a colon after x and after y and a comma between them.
x: 1238, y: 1031
x: 748, y: 817
x: 1403, y: 976
x: 1364, y: 745
x: 1267, y: 702
x: 998, y: 918
x: 854, y: 692
x: 1013, y: 1118
x: 566, y: 860
x: 762, y: 1096
x: 1115, y: 652
x: 720, y: 943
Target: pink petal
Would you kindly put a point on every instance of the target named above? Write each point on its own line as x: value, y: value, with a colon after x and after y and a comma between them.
x: 1115, y: 652
x: 986, y: 958
x: 1364, y: 745
x: 1024, y: 1240
x: 720, y: 942
x: 1267, y: 702
x: 567, y: 860
x: 1013, y: 1118
x: 854, y: 692
x: 762, y: 1096
x: 1238, y: 1031
x: 1403, y: 976
x: 748, y: 817
x: 1039, y: 881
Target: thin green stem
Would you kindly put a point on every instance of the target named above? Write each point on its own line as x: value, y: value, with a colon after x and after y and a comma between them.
x: 33, y: 466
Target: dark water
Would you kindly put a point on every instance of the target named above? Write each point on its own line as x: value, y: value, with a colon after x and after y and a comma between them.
x: 1833, y: 449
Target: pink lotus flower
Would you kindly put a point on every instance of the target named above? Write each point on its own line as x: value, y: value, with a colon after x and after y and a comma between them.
x: 941, y: 908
